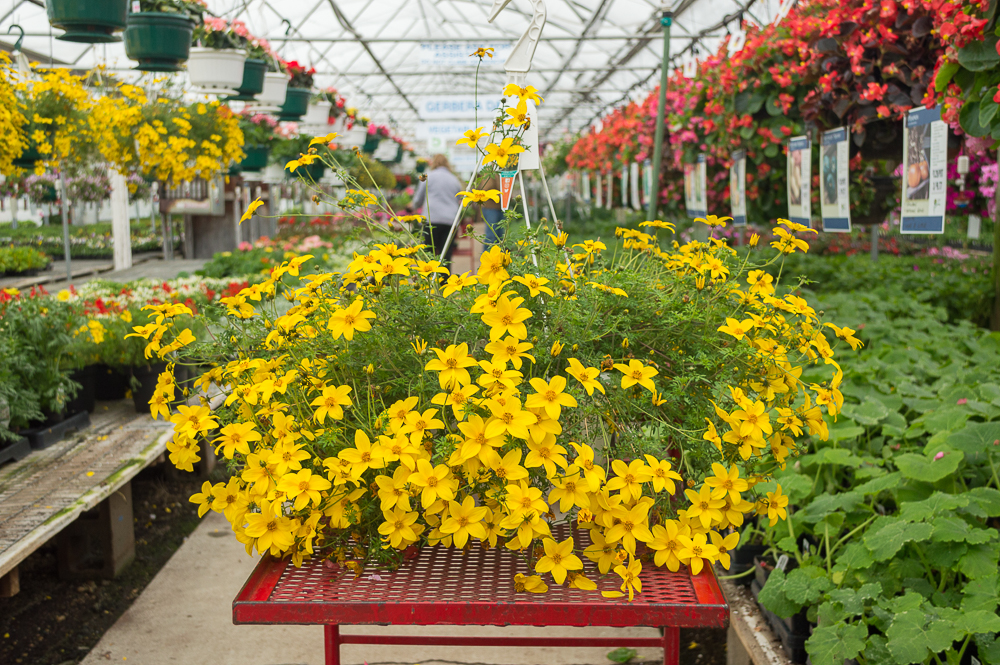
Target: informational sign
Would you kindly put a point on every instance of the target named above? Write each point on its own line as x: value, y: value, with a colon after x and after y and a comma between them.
x: 598, y: 199
x: 449, y: 131
x: 799, y: 170
x: 695, y: 186
x: 974, y: 225
x: 529, y: 160
x: 457, y: 107
x: 738, y: 188
x: 507, y: 186
x: 457, y: 54
x: 611, y: 189
x: 586, y: 186
x: 634, y: 179
x: 625, y: 174
x: 647, y: 182
x: 925, y: 155
x: 834, y: 187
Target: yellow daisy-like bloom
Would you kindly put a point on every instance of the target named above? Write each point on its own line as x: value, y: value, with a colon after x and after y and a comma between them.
x: 712, y: 220
x: 558, y: 560
x: 501, y: 154
x: 480, y: 196
x: 635, y: 373
x: 346, y: 321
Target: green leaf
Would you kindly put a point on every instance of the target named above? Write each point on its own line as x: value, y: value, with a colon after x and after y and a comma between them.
x: 771, y: 151
x: 957, y: 530
x: 979, y: 621
x: 979, y: 56
x: 949, y: 418
x: 832, y: 645
x: 840, y: 456
x: 747, y: 132
x: 886, y: 541
x: 988, y: 499
x: 989, y: 649
x: 980, y: 561
x: 869, y: 414
x: 912, y: 634
x: 856, y: 557
x: 881, y: 484
x: 847, y: 433
x: 622, y: 655
x: 928, y: 469
x: 939, y: 502
x: 981, y: 594
x: 773, y: 597
x: 773, y: 105
x: 806, y: 585
x: 975, y: 437
x: 968, y: 118
x: 944, y: 75
x: 987, y: 111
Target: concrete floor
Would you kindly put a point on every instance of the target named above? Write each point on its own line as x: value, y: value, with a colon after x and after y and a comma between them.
x: 184, y: 617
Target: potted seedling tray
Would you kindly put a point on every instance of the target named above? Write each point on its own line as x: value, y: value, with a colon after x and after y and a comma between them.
x: 49, y: 435
x: 12, y: 451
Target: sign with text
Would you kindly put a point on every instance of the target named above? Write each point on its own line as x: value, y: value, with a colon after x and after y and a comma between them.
x: 695, y: 186
x: 925, y: 155
x: 738, y: 188
x: 457, y: 54
x: 457, y: 107
x: 634, y: 177
x: 834, y: 185
x: 799, y: 170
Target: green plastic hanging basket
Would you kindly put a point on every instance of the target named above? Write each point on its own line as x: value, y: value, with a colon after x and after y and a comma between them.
x: 296, y: 104
x: 256, y: 158
x: 253, y: 81
x: 371, y: 143
x: 28, y: 158
x: 88, y: 21
x: 159, y: 41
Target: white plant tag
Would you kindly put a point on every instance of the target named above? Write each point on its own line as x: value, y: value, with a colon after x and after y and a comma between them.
x: 974, y: 223
x: 782, y: 563
x: 135, y: 7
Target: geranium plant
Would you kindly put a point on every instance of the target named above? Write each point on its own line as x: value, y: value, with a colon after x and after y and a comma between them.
x: 299, y: 75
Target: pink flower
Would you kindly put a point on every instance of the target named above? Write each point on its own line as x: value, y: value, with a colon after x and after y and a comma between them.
x: 962, y: 401
x: 240, y: 28
x: 215, y: 24
x: 939, y: 456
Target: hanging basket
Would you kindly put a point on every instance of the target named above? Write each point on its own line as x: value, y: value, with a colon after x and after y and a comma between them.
x: 886, y: 189
x: 88, y: 21
x: 28, y: 158
x: 353, y: 138
x: 253, y: 81
x: 216, y: 71
x: 256, y: 158
x: 371, y: 143
x: 318, y: 113
x: 275, y: 90
x: 296, y: 104
x: 159, y: 41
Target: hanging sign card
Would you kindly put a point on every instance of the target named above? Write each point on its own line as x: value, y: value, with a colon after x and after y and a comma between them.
x: 695, y: 184
x: 834, y: 188
x: 799, y: 172
x: 585, y: 179
x: 647, y: 182
x: 925, y: 154
x: 507, y: 185
x: 634, y: 178
x: 738, y: 188
x: 598, y: 190
x: 625, y: 186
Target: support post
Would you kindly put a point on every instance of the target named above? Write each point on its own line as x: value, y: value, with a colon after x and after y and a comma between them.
x: 65, y: 224
x: 331, y: 643
x: 10, y: 584
x: 101, y: 542
x: 671, y: 645
x: 666, y: 20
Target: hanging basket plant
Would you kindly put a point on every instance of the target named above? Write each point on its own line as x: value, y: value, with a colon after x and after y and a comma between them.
x: 159, y: 41
x: 88, y: 21
x: 299, y: 91
x: 216, y: 65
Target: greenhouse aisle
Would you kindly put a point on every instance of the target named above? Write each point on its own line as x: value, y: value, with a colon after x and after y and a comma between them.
x: 185, y: 616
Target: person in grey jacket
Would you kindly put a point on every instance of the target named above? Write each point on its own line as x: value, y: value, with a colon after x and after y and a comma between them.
x: 437, y: 199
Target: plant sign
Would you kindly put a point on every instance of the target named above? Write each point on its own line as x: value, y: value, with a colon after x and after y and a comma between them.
x: 738, y: 188
x: 925, y: 154
x: 799, y: 171
x: 634, y: 176
x: 834, y: 199
x: 625, y: 185
x: 695, y: 186
x: 598, y: 192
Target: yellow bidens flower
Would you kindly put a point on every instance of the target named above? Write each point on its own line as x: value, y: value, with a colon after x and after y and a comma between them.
x: 479, y: 196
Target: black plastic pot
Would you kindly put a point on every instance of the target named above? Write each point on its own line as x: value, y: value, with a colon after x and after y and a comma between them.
x: 85, y: 399
x: 88, y: 21
x: 109, y: 383
x: 742, y: 559
x: 159, y: 41
x: 147, y: 377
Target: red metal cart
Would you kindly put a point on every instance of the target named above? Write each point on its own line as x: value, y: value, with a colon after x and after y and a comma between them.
x: 445, y: 586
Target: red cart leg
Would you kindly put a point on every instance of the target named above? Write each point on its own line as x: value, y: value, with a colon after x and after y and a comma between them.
x: 331, y: 639
x: 671, y: 645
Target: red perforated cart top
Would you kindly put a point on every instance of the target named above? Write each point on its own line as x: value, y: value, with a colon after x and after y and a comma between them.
x: 445, y: 586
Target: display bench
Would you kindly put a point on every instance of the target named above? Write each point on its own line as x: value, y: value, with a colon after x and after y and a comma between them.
x: 448, y: 587
x: 79, y: 491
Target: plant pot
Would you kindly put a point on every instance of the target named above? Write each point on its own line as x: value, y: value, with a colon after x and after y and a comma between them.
x: 109, y: 383
x: 317, y: 113
x: 159, y: 41
x: 253, y: 81
x: 371, y: 143
x: 28, y: 158
x: 421, y: 167
x: 886, y: 188
x: 793, y: 641
x: 88, y: 21
x: 85, y: 399
x: 742, y: 559
x: 296, y: 104
x: 353, y: 138
x: 256, y: 158
x: 216, y: 71
x: 275, y: 90
x: 147, y: 376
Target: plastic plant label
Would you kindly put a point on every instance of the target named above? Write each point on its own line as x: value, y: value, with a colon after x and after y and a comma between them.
x: 136, y: 8
x: 738, y: 188
x: 925, y: 168
x: 599, y: 192
x: 782, y: 563
x: 634, y: 180
x: 974, y: 226
x: 799, y: 170
x: 834, y: 184
x: 695, y: 186
x: 624, y: 176
x: 506, y: 187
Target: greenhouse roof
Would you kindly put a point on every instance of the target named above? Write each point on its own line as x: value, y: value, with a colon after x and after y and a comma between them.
x: 398, y: 60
